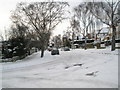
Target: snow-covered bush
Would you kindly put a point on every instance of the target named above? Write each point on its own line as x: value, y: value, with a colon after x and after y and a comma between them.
x: 16, y: 47
x: 19, y: 46
x: 6, y: 50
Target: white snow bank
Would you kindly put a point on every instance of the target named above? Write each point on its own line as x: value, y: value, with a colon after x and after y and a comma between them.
x: 91, y: 68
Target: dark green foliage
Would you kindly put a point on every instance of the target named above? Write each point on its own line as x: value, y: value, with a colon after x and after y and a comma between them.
x: 16, y: 47
x: 98, y: 45
x: 66, y: 42
x: 89, y: 45
x: 6, y: 53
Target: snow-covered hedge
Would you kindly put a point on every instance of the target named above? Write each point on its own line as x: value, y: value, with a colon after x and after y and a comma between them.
x: 15, y: 47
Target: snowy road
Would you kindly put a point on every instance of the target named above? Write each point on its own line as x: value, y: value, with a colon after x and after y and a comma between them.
x: 78, y: 68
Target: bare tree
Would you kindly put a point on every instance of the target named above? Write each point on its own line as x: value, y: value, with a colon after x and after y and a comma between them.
x: 18, y: 31
x: 57, y: 41
x: 1, y: 37
x: 75, y: 25
x: 85, y: 18
x: 108, y: 13
x: 42, y: 17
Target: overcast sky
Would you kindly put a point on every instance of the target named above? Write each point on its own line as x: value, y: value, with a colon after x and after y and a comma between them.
x: 6, y: 6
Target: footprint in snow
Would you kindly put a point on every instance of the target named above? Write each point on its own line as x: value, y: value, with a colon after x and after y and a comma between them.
x: 67, y: 67
x: 92, y: 73
x: 77, y: 64
x: 73, y: 65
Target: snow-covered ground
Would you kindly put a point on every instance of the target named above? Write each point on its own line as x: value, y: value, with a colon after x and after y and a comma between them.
x: 78, y: 68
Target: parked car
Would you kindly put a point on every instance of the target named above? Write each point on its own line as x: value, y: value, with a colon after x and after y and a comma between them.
x: 66, y: 49
x: 55, y: 51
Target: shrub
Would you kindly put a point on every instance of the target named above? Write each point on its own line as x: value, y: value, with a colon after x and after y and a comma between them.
x: 89, y: 45
x: 16, y: 47
x: 97, y: 45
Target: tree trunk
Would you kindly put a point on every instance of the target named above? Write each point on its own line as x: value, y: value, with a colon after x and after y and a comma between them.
x: 42, y: 52
x: 86, y: 38
x: 113, y: 38
x: 85, y: 43
x: 73, y: 35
